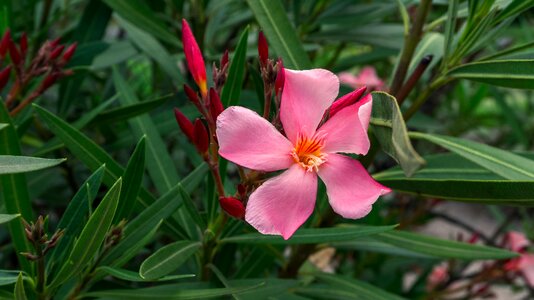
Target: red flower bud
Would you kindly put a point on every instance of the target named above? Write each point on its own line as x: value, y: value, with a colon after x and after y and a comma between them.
x: 4, y: 77
x: 216, y: 107
x: 69, y: 52
x: 185, y: 125
x: 23, y: 44
x: 191, y: 94
x: 232, y: 206
x: 54, y: 43
x: 346, y: 100
x: 263, y: 49
x: 194, y: 59
x: 4, y: 44
x: 201, y: 136
x: 48, y: 81
x: 14, y: 53
x: 224, y: 59
x: 280, y: 78
x: 56, y: 52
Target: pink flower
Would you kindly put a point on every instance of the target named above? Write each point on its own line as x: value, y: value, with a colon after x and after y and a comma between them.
x: 438, y: 275
x: 283, y: 203
x: 516, y: 241
x: 194, y: 59
x: 367, y: 77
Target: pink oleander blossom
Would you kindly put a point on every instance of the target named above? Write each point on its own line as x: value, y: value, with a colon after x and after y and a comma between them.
x: 367, y: 77
x: 516, y: 241
x: 438, y: 276
x: 283, y: 203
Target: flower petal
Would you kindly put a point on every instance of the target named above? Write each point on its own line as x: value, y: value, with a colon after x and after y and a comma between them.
x: 249, y: 140
x: 516, y: 241
x: 306, y: 96
x: 346, y: 131
x: 283, y: 203
x: 526, y: 265
x: 351, y: 190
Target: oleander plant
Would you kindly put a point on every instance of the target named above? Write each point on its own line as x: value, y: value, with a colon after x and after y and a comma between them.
x: 266, y: 149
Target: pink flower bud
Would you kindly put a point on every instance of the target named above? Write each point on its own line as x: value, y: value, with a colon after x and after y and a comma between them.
x: 346, y: 100
x: 69, y: 52
x: 23, y: 44
x: 194, y: 59
x: 56, y: 52
x: 191, y: 94
x: 280, y: 78
x: 263, y: 49
x: 4, y: 76
x: 216, y: 107
x: 232, y: 206
x: 185, y: 125
x: 4, y: 44
x: 201, y: 137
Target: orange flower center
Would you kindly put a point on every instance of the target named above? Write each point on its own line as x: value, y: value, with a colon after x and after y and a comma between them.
x: 307, y: 153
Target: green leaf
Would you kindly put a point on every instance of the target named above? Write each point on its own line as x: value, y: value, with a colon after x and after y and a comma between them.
x: 91, y: 237
x: 15, y: 190
x: 134, y: 276
x: 168, y: 292
x: 512, y: 73
x: 3, y: 125
x: 357, y: 287
x: 234, y: 83
x: 151, y: 47
x: 272, y: 17
x: 19, y: 292
x: 431, y: 44
x: 311, y: 235
x: 450, y: 26
x: 6, y: 218
x: 450, y: 176
x: 442, y: 248
x: 389, y: 128
x: 167, y: 259
x: 8, y: 277
x: 370, y: 244
x: 501, y: 162
x: 128, y: 111
x: 161, y: 209
x: 138, y: 12
x: 133, y: 179
x: 74, y: 217
x: 12, y: 164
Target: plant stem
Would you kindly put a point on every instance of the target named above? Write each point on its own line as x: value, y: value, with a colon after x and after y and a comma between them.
x: 41, y: 273
x: 410, y: 44
x: 424, y: 96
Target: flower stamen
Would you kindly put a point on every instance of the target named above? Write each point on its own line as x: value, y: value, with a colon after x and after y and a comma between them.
x: 307, y: 152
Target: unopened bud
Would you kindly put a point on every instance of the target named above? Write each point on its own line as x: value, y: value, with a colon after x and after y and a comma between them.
x: 56, y: 52
x: 201, y: 137
x: 54, y: 43
x: 23, y: 44
x: 224, y: 60
x: 216, y: 106
x: 69, y: 52
x: 263, y: 49
x: 280, y: 78
x: 14, y: 53
x: 185, y: 125
x: 346, y: 100
x: 4, y: 44
x: 49, y: 80
x: 194, y: 59
x: 191, y: 94
x: 29, y: 256
x: 232, y: 206
x: 4, y: 77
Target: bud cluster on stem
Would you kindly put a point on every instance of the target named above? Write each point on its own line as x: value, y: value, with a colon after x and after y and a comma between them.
x: 48, y: 63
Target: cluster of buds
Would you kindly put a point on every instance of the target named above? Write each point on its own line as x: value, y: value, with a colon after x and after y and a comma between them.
x: 36, y: 234
x: 49, y: 62
x: 272, y: 74
x: 114, y: 235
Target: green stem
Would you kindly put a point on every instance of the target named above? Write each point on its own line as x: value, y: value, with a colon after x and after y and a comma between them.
x: 419, y: 101
x: 41, y: 273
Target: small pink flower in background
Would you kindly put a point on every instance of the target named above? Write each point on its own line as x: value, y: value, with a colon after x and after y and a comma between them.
x: 517, y: 242
x: 438, y: 275
x: 367, y: 77
x: 283, y: 203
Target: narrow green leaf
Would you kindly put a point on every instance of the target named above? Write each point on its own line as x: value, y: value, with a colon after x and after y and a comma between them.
x: 6, y: 218
x: 91, y: 237
x: 15, y: 190
x: 311, y: 235
x: 19, y: 292
x: 512, y: 73
x: 167, y: 259
x: 431, y: 44
x: 513, y: 9
x: 12, y: 164
x: 501, y: 162
x: 234, y: 83
x: 74, y: 218
x: 129, y: 111
x: 133, y: 179
x: 139, y: 13
x: 168, y: 292
x: 357, y: 287
x: 134, y: 276
x: 450, y: 26
x: 370, y: 244
x: 3, y: 125
x: 442, y: 248
x: 8, y: 277
x: 405, y: 17
x: 389, y: 128
x: 272, y: 17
